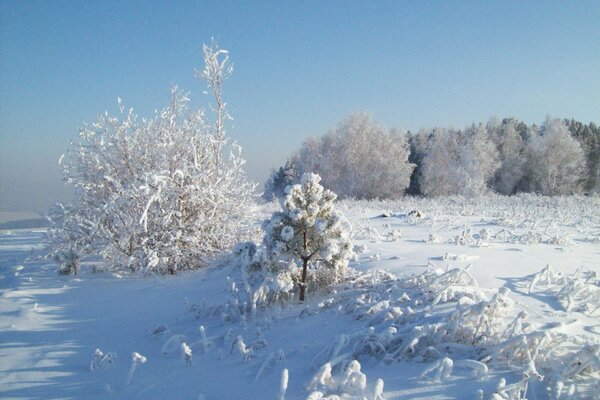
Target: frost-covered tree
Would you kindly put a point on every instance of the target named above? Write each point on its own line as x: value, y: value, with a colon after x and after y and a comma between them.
x: 360, y: 158
x: 280, y: 180
x: 310, y: 234
x: 478, y: 159
x: 458, y: 162
x: 556, y: 160
x: 589, y: 138
x: 512, y: 153
x: 156, y: 195
x: 418, y: 149
x: 440, y: 164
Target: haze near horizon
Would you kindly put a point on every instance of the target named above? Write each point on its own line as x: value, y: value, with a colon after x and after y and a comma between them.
x: 299, y: 69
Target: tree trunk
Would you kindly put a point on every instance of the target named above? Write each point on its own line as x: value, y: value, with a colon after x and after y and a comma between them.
x: 303, y: 283
x: 304, y: 269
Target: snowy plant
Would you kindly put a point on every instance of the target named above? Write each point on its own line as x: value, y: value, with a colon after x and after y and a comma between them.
x: 309, y: 233
x: 65, y: 238
x: 514, y: 391
x: 378, y: 391
x: 273, y: 358
x: 322, y: 380
x: 579, y: 292
x: 354, y: 382
x: 186, y: 353
x: 245, y: 351
x: 441, y: 370
x: 136, y: 359
x: 479, y: 369
x: 174, y: 342
x: 283, y: 384
x: 154, y: 195
x: 102, y: 360
x: 203, y: 339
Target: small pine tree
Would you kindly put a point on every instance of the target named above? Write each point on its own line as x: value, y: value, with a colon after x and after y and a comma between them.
x: 308, y: 230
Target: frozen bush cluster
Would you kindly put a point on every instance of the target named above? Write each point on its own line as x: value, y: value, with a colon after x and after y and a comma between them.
x: 579, y: 292
x: 472, y: 331
x: 351, y: 383
x: 154, y: 195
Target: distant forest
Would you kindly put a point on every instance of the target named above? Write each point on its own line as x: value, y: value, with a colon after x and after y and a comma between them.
x: 363, y: 159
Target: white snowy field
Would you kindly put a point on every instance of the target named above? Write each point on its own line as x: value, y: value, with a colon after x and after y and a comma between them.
x: 429, y: 307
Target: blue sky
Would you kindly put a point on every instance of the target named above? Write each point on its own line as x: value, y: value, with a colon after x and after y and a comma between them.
x: 300, y: 68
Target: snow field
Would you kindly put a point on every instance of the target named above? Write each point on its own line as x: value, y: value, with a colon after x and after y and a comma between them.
x: 442, y: 306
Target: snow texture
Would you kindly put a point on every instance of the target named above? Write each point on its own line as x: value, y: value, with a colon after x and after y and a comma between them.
x: 520, y: 322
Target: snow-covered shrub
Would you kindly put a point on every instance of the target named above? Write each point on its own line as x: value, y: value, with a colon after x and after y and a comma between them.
x: 155, y: 195
x: 64, y: 234
x: 245, y: 351
x: 256, y: 282
x: 136, y: 359
x: 283, y: 384
x: 68, y: 261
x: 174, y: 342
x: 513, y: 391
x: 309, y: 233
x: 349, y: 384
x: 271, y: 359
x: 439, y: 370
x: 102, y: 360
x: 186, y: 353
x: 579, y: 292
x: 323, y: 380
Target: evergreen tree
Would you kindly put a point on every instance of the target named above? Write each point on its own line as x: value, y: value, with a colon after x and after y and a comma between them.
x: 309, y: 233
x: 280, y: 180
x: 589, y: 138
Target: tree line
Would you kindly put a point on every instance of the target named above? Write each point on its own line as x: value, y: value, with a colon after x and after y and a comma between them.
x: 363, y: 159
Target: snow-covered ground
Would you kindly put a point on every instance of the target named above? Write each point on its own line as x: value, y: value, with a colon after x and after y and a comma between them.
x: 420, y: 312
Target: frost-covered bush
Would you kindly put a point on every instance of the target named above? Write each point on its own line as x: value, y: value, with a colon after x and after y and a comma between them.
x: 349, y: 384
x: 155, y: 195
x: 136, y: 359
x: 579, y: 292
x: 310, y: 234
x: 102, y: 360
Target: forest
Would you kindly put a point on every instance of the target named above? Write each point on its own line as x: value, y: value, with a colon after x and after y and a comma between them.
x: 363, y: 159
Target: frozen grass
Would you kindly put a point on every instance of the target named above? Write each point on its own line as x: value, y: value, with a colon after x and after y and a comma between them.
x: 415, y: 315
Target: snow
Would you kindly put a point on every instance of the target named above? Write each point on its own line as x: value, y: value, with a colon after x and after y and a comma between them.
x: 55, y: 330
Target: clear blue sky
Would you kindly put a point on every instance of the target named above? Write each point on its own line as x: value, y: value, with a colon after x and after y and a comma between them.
x: 300, y: 67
